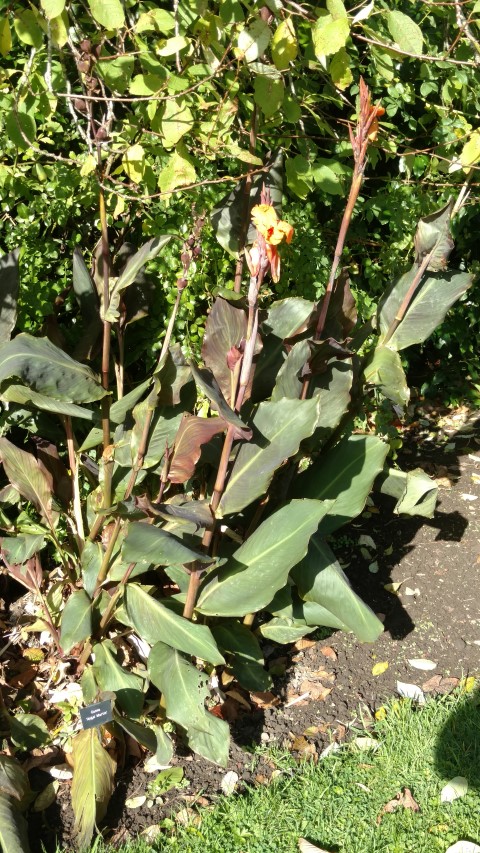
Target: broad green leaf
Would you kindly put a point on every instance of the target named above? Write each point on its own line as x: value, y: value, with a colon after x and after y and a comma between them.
x: 246, y: 661
x: 173, y: 45
x: 405, y: 32
x: 385, y: 371
x: 117, y: 72
x: 209, y: 385
x: 340, y: 69
x: 253, y: 42
x: 13, y: 827
x: 415, y: 491
x: 470, y: 154
x: 153, y: 738
x: 279, y: 427
x: 21, y: 128
x: 45, y: 368
x: 320, y: 579
x: 5, y: 37
x: 283, y: 319
x: 108, y: 13
x: 13, y: 779
x: 52, y: 8
x: 92, y: 557
x: 165, y: 425
x: 120, y: 408
x: 177, y: 120
x: 155, y: 19
x: 26, y: 397
x: 284, y: 46
x: 185, y: 690
x: 87, y: 298
x: 344, y: 476
x: 427, y: 309
x: 299, y: 175
x: 329, y: 35
x: 9, y: 281
x: 287, y: 605
x: 268, y: 93
x: 251, y: 577
x: 433, y: 237
x: 26, y: 475
x: 145, y: 543
x: 76, y: 625
x: 156, y: 623
x: 19, y: 549
x: 92, y: 785
x: 110, y: 675
x: 29, y: 731
x: 178, y: 172
x: 135, y: 264
x: 134, y: 163
x: 283, y: 630
x: 27, y: 29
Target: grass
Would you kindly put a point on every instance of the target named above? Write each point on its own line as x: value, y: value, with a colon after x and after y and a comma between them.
x: 336, y: 803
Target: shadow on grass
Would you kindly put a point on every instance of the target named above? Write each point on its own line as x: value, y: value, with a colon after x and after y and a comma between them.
x: 457, y: 750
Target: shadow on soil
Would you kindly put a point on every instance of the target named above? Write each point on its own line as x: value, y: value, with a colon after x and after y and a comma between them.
x: 457, y: 751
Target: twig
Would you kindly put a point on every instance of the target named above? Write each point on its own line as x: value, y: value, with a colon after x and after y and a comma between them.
x: 470, y: 63
x: 464, y: 27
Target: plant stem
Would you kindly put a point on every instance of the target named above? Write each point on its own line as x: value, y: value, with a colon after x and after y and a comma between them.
x: 107, y: 458
x: 237, y: 285
x: 106, y: 616
x: 408, y: 297
x: 77, y: 503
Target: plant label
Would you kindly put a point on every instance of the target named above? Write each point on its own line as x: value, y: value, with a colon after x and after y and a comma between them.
x: 97, y: 714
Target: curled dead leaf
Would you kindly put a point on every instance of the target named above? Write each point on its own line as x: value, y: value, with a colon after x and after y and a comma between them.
x: 404, y: 799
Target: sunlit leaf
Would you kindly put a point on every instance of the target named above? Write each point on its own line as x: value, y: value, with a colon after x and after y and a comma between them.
x: 13, y: 827
x: 405, y: 32
x: 25, y: 473
x: 76, y: 625
x: 284, y: 46
x: 108, y: 13
x: 454, y: 789
x: 192, y: 434
x: 92, y: 785
x: 110, y: 675
x: 9, y: 281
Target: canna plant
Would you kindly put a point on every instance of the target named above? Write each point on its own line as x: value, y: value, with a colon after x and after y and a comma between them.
x: 166, y: 529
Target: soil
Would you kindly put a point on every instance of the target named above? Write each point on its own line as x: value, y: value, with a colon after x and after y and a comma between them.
x: 324, y: 684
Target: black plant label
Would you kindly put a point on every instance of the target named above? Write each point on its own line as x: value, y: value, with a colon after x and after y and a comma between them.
x: 97, y: 714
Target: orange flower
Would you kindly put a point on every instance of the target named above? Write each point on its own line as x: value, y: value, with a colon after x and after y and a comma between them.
x: 374, y: 127
x: 267, y: 223
x: 273, y: 230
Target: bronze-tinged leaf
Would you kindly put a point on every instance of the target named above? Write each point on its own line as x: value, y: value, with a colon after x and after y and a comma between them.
x: 174, y: 374
x: 225, y: 328
x: 25, y: 473
x: 92, y: 785
x: 193, y: 432
x: 205, y: 380
x: 433, y: 235
x: 52, y: 465
x: 29, y: 574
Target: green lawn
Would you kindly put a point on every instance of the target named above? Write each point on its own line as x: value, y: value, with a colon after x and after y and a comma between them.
x: 337, y: 803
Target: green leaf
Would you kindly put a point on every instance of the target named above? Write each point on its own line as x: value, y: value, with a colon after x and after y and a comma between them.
x: 29, y: 731
x: 329, y: 35
x: 5, y: 37
x: 45, y: 368
x: 19, y: 549
x: 268, y: 93
x: 116, y: 72
x: 405, y: 32
x: 13, y: 828
x: 185, y: 690
x: 208, y: 384
x: 21, y: 129
x: 415, y: 491
x: 247, y: 663
x: 145, y: 543
x: 25, y: 473
x: 173, y: 45
x: 251, y: 577
x: 470, y: 154
x: 427, y: 310
x: 284, y: 45
x: 26, y: 397
x: 13, y: 779
x: 155, y: 19
x: 340, y: 69
x: 320, y: 579
x: 27, y: 29
x: 9, y: 282
x: 299, y: 175
x: 385, y: 371
x: 92, y: 785
x: 156, y: 623
x: 120, y: 408
x: 345, y: 476
x: 76, y: 625
x: 177, y: 120
x: 87, y: 298
x: 92, y: 557
x: 133, y: 162
x: 279, y: 427
x: 108, y: 13
x: 283, y: 630
x: 253, y: 42
x: 153, y: 738
x: 52, y: 8
x: 110, y: 675
x: 147, y: 253
x: 178, y: 172
x: 283, y: 319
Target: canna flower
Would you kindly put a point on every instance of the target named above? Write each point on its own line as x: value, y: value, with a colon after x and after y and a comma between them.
x: 376, y: 112
x: 274, y: 231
